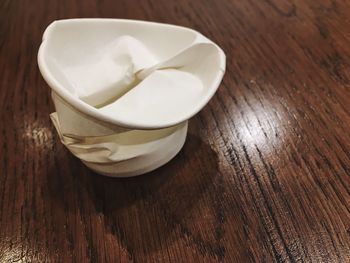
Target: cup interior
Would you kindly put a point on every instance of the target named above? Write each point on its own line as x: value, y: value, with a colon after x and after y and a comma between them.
x: 78, y: 53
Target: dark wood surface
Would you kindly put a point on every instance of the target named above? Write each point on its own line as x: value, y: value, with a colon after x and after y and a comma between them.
x: 263, y: 177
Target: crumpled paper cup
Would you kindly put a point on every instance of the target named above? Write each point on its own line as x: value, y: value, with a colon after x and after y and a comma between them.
x: 124, y: 90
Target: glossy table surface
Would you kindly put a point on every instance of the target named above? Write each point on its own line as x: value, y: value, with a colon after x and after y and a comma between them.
x: 263, y: 177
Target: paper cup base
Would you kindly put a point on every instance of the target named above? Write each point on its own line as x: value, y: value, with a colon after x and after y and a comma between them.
x: 144, y: 164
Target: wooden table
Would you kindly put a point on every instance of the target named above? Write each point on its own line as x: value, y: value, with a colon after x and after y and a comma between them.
x: 264, y: 175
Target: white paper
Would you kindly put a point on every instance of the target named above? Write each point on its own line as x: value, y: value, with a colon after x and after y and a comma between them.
x: 134, y: 80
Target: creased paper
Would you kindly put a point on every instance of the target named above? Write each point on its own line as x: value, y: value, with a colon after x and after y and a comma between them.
x: 124, y: 90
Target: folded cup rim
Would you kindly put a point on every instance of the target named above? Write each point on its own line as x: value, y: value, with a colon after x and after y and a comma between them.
x: 91, y: 111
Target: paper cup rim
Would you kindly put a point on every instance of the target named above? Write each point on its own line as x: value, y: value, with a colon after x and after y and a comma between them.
x: 93, y: 112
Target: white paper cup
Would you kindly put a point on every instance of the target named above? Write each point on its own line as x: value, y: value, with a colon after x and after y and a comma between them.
x: 125, y: 145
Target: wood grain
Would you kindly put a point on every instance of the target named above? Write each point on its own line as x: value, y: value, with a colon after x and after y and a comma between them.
x: 263, y: 177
